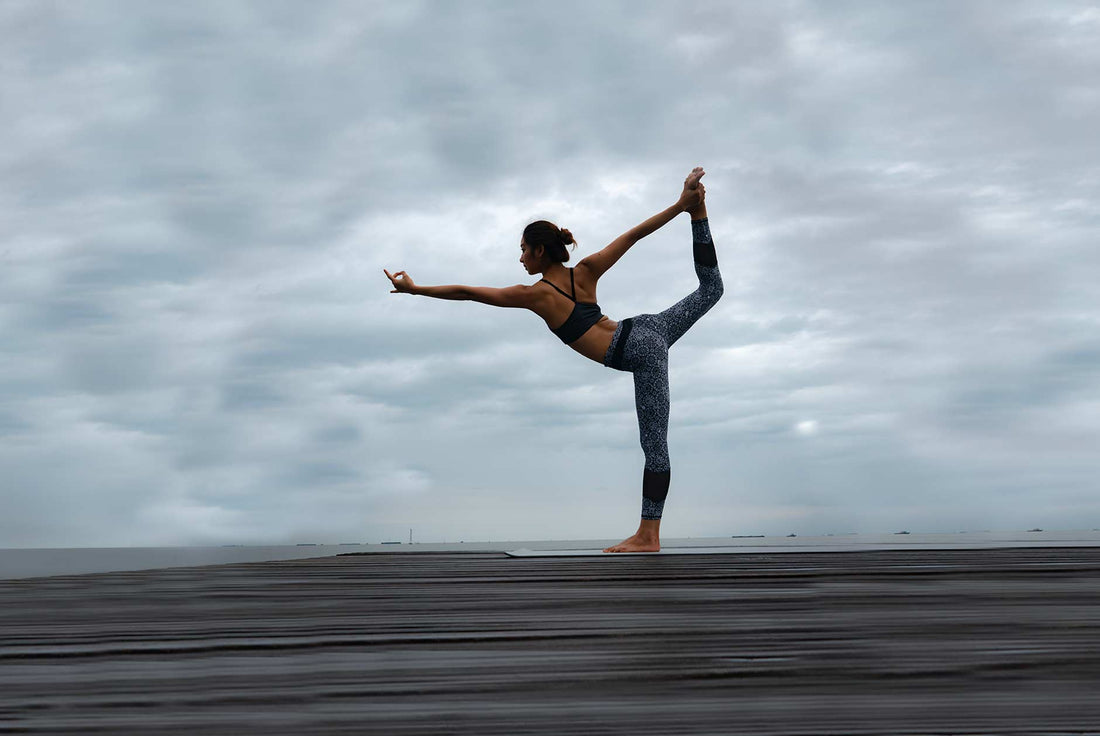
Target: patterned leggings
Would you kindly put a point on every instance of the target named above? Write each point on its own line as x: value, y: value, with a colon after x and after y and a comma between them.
x: 640, y: 345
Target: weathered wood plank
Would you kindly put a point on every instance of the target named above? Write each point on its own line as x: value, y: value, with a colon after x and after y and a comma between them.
x: 907, y: 642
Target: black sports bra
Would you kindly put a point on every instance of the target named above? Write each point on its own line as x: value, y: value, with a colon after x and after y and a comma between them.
x: 583, y: 316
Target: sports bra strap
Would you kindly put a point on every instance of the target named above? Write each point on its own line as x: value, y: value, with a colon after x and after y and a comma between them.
x: 572, y: 287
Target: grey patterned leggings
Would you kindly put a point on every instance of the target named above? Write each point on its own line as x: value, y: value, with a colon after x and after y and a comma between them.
x: 640, y: 345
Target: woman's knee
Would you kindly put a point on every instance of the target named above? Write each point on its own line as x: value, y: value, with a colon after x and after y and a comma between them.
x: 710, y: 285
x: 656, y: 459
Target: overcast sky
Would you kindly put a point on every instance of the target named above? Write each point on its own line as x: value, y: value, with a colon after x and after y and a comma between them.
x: 197, y: 201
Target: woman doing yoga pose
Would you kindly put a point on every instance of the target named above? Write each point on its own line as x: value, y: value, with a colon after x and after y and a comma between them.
x: 566, y: 299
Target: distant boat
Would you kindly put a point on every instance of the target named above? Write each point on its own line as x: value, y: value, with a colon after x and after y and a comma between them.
x: 306, y: 544
x: 901, y: 532
x: 792, y: 535
x: 1035, y: 530
x: 391, y: 542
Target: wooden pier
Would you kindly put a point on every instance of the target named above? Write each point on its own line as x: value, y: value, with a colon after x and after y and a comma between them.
x: 901, y: 642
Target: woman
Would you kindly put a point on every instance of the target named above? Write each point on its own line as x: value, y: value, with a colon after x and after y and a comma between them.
x: 566, y: 299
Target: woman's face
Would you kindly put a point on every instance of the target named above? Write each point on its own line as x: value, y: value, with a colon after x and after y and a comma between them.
x: 529, y: 260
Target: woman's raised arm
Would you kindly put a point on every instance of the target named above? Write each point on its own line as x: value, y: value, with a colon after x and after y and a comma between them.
x: 601, y: 261
x: 511, y: 296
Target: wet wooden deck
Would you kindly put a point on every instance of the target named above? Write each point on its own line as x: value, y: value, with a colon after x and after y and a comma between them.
x: 910, y: 642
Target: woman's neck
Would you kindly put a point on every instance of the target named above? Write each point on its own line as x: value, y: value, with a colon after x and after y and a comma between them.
x: 554, y: 268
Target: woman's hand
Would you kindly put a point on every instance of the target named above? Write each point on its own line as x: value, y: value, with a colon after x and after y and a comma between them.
x: 694, y: 193
x: 402, y: 282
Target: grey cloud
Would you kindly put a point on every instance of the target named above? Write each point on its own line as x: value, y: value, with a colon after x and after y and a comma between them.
x: 200, y: 201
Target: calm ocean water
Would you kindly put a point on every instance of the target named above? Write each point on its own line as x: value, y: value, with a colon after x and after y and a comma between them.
x: 29, y: 563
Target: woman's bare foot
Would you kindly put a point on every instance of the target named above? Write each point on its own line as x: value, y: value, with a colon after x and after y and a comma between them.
x: 692, y: 180
x: 646, y: 539
x: 692, y: 199
x: 636, y: 544
x: 698, y: 211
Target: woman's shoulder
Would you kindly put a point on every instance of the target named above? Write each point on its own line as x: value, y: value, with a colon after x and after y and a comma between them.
x: 585, y: 276
x: 584, y: 282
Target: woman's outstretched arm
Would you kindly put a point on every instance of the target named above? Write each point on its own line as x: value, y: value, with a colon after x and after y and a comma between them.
x: 601, y: 261
x: 511, y: 296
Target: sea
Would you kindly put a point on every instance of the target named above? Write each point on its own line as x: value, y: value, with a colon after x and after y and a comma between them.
x: 43, y: 562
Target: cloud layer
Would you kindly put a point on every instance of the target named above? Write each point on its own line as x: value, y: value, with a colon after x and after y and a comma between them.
x: 197, y: 203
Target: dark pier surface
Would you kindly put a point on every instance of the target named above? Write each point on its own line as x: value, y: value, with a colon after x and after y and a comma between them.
x: 903, y: 642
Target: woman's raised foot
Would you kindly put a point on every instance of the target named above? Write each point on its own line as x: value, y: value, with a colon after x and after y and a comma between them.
x: 692, y: 180
x: 693, y: 198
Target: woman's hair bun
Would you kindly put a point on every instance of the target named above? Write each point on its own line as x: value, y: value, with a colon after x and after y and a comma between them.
x: 567, y: 237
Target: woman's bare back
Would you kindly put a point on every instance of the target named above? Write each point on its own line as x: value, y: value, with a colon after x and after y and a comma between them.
x: 555, y: 308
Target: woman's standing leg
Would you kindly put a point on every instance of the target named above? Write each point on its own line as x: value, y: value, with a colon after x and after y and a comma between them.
x: 651, y: 400
x: 645, y: 354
